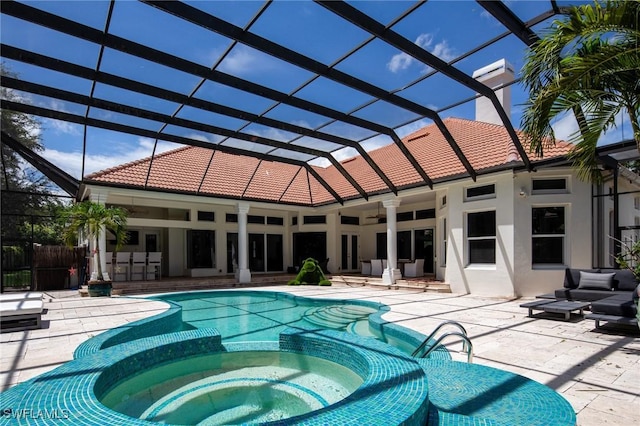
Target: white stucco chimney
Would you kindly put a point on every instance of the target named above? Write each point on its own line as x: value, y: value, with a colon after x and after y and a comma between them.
x: 494, y: 75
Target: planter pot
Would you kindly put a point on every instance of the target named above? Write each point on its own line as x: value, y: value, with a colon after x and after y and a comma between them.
x: 102, y: 288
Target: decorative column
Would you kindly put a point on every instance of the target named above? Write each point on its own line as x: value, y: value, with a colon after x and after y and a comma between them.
x: 243, y: 274
x: 391, y: 273
x: 100, y: 246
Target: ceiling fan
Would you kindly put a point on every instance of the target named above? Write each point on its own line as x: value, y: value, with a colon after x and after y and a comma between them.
x: 377, y: 215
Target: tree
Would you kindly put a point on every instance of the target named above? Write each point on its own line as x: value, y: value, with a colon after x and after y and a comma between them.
x: 588, y: 64
x: 24, y: 189
x: 88, y: 219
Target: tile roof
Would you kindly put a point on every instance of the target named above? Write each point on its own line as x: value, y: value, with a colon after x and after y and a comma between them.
x: 208, y: 172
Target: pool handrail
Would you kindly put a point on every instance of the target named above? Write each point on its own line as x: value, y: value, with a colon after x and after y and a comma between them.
x: 464, y: 338
x: 435, y: 330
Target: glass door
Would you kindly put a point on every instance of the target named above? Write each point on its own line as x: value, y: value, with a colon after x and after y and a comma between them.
x: 423, y: 247
x: 349, y: 253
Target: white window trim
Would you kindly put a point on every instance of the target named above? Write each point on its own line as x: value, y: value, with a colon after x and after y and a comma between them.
x: 480, y: 197
x: 566, y: 190
x: 565, y: 240
x: 468, y: 263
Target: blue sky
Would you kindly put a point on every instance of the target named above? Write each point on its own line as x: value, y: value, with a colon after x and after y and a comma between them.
x: 447, y: 29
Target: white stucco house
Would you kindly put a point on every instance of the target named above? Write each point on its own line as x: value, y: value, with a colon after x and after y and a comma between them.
x: 511, y: 231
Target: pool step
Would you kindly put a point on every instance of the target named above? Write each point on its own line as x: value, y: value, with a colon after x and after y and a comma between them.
x: 185, y: 284
x: 336, y: 316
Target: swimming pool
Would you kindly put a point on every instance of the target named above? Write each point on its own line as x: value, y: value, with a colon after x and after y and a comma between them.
x: 242, y: 316
x: 276, y: 347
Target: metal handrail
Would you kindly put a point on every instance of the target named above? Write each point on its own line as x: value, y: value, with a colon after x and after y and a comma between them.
x: 464, y: 338
x: 435, y: 330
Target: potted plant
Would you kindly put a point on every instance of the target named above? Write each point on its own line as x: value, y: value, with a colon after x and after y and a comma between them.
x: 89, y: 219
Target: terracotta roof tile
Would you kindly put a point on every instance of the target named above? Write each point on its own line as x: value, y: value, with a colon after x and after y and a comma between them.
x: 204, y: 171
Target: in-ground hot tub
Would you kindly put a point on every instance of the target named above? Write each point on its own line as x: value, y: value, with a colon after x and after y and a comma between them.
x: 232, y: 388
x: 314, y: 377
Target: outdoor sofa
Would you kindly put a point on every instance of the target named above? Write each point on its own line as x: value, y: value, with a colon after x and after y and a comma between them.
x: 610, y: 292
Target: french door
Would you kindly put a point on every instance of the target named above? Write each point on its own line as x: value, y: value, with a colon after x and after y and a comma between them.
x: 349, y: 253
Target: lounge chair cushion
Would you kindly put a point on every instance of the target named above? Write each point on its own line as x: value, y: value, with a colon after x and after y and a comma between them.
x: 21, y: 307
x: 582, y: 294
x: 616, y: 305
x: 31, y: 295
x: 596, y: 280
x: 623, y: 279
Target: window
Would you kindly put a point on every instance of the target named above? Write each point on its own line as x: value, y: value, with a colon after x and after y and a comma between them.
x: 294, y: 220
x: 206, y: 216
x: 444, y: 200
x: 201, y: 249
x: 404, y: 216
x: 443, y: 256
x: 403, y: 248
x: 381, y: 245
x: 231, y: 218
x: 314, y: 219
x: 485, y: 191
x: 255, y: 219
x: 549, y: 186
x: 425, y: 214
x: 272, y: 220
x: 548, y: 234
x: 481, y: 237
x: 349, y: 220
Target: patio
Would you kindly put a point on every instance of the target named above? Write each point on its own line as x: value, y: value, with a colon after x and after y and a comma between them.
x: 597, y: 372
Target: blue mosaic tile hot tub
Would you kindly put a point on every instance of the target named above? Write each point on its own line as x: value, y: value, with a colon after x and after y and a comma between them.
x: 393, y: 387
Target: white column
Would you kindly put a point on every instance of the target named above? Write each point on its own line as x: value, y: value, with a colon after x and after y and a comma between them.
x: 243, y: 274
x: 101, y: 246
x: 391, y: 273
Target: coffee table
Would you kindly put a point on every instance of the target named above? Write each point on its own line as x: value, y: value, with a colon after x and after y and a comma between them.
x: 559, y: 307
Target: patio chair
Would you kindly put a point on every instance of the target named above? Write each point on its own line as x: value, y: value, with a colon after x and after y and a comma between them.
x: 414, y: 269
x: 366, y: 268
x: 376, y: 267
x: 384, y: 264
x: 138, y: 266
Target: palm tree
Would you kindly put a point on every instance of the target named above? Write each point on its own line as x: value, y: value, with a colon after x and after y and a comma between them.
x: 588, y: 64
x: 89, y: 218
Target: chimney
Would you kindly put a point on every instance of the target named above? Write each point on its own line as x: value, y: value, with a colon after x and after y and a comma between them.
x: 492, y: 76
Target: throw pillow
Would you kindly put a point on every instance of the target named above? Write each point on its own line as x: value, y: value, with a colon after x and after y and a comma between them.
x: 595, y: 281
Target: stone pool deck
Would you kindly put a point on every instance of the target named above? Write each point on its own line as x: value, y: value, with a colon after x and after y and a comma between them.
x: 598, y: 372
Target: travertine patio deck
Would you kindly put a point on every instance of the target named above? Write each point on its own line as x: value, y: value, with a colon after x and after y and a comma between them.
x: 597, y: 372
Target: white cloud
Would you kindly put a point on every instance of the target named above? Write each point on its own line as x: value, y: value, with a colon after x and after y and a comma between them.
x: 412, y: 127
x: 243, y: 60
x: 64, y: 127
x: 402, y: 61
x: 71, y: 162
x: 376, y: 142
x: 565, y: 127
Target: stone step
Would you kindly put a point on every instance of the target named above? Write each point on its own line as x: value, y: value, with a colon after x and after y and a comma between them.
x: 426, y: 283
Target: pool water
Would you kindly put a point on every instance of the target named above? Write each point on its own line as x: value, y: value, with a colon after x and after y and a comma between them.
x: 233, y: 388
x: 262, y: 317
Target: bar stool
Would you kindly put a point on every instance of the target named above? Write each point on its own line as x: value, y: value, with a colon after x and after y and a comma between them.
x: 138, y: 266
x: 109, y: 261
x: 154, y: 268
x: 123, y: 259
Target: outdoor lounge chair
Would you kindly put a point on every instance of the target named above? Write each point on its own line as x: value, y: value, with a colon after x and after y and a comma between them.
x: 376, y: 267
x: 414, y: 269
x: 21, y: 311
